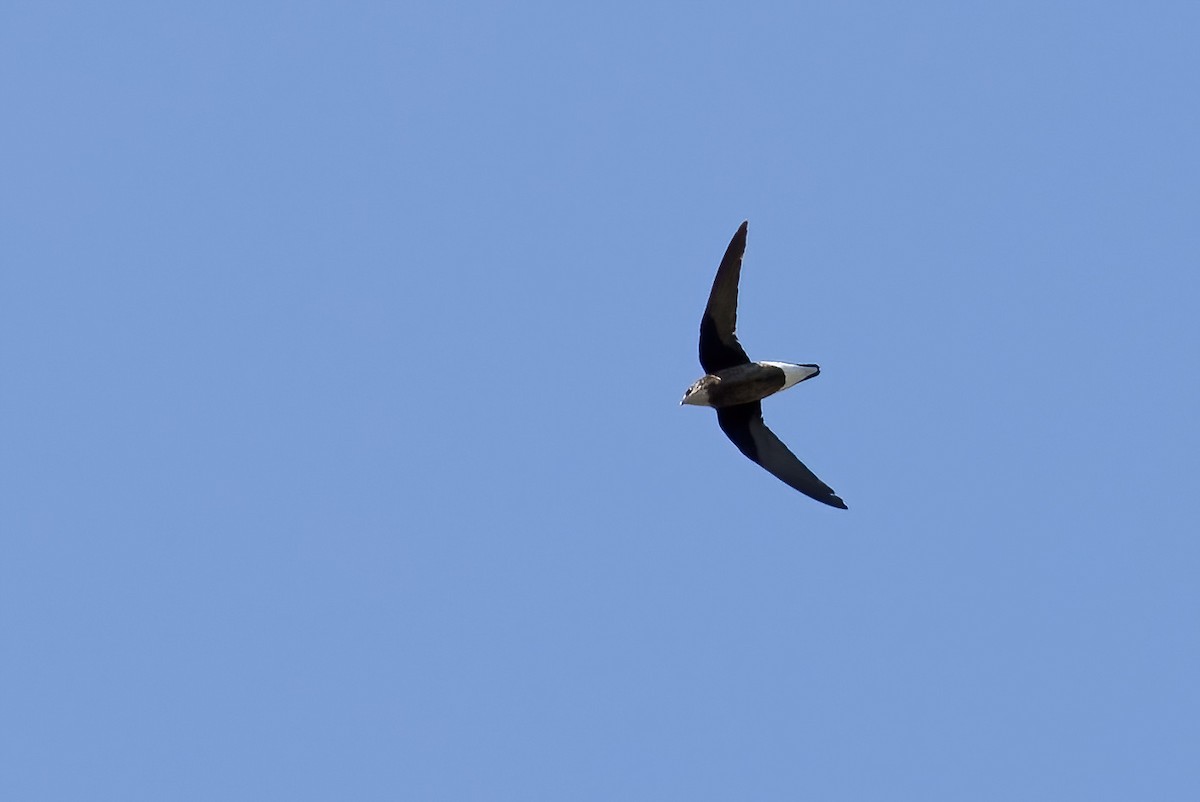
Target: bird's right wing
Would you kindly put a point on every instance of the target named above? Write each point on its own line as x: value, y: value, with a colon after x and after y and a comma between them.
x: 719, y: 347
x: 743, y: 424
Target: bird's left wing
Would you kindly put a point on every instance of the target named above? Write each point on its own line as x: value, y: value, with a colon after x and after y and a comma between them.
x: 719, y: 346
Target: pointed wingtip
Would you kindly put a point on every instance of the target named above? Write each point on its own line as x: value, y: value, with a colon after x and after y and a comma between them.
x: 739, y: 236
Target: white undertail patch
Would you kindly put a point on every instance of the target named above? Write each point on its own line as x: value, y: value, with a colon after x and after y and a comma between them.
x: 793, y: 374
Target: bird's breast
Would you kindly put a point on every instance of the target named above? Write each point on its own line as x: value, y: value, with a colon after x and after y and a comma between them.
x: 744, y: 384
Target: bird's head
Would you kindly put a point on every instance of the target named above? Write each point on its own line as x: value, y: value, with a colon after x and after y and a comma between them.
x: 698, y: 393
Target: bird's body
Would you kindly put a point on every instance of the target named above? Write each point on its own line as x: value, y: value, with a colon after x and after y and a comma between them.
x: 735, y: 386
x: 743, y: 384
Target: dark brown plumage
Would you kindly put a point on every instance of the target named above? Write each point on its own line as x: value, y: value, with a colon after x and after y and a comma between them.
x: 736, y: 386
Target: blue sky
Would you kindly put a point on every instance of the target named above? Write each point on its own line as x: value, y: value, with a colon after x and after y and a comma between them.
x: 342, y: 347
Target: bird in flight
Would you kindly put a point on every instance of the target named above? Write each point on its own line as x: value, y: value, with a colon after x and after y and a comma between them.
x: 735, y: 386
